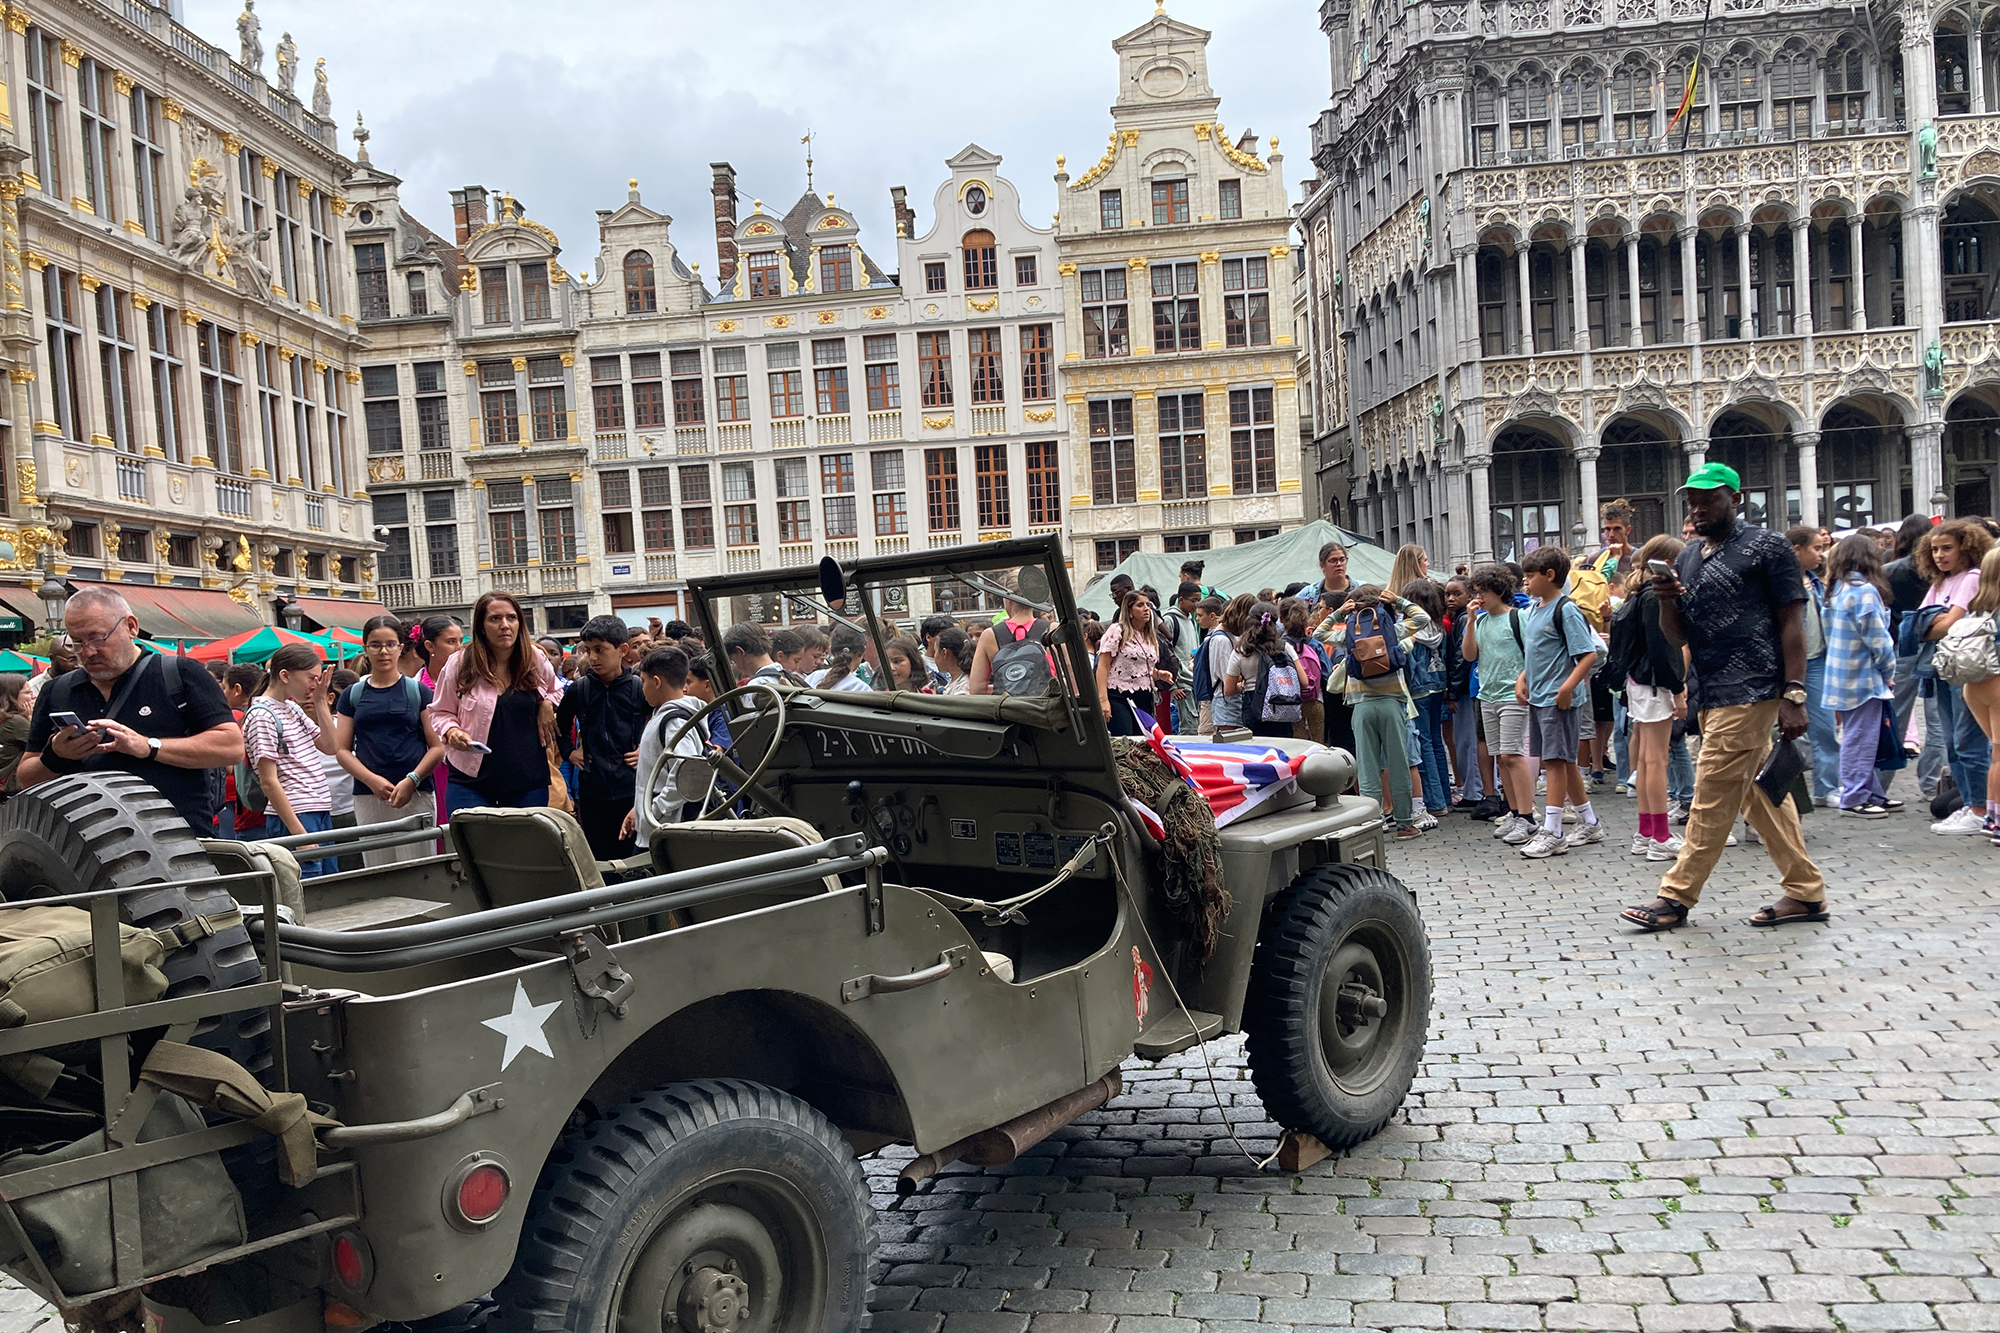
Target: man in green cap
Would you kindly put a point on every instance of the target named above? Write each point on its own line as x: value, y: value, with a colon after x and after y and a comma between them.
x: 1736, y: 599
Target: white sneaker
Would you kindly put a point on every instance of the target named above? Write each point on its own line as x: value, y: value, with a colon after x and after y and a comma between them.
x: 1641, y: 844
x: 1676, y: 813
x: 1425, y: 820
x: 1729, y: 841
x: 1544, y: 844
x: 1670, y: 850
x: 1584, y: 834
x: 1751, y: 835
x: 1961, y: 820
x: 1570, y: 815
x: 1523, y: 831
x: 1504, y: 825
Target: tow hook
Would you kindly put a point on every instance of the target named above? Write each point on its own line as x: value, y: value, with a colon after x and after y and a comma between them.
x: 597, y: 973
x: 1357, y: 1001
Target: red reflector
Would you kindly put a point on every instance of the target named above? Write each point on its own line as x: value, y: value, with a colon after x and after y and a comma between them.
x: 347, y: 1262
x: 483, y: 1193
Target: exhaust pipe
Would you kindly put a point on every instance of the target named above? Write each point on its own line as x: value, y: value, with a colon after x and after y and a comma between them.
x: 1005, y: 1142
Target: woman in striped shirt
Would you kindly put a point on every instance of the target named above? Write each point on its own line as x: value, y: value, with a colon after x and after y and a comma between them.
x: 284, y: 744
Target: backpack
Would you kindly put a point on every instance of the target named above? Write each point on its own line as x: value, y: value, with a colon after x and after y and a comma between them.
x: 1020, y: 663
x: 1591, y: 592
x: 1426, y: 670
x: 1966, y: 653
x: 1279, y: 689
x: 412, y: 695
x: 250, y: 793
x: 1376, y: 654
x: 1628, y: 642
x: 1204, y: 685
x: 1312, y: 670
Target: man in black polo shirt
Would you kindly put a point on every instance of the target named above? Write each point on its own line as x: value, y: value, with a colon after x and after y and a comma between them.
x: 1737, y: 600
x: 162, y: 719
x: 608, y: 705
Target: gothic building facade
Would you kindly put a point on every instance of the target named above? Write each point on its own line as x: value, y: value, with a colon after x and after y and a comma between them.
x: 1547, y: 266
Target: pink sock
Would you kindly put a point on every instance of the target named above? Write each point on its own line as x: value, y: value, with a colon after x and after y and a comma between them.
x: 1650, y: 826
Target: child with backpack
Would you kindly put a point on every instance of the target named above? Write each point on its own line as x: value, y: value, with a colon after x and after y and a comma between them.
x: 1561, y: 651
x: 1208, y: 618
x: 385, y: 740
x: 1425, y: 677
x: 1313, y: 670
x: 1369, y: 635
x: 282, y: 744
x: 1264, y: 673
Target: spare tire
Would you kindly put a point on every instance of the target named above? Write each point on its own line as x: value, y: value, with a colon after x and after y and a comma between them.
x: 113, y: 830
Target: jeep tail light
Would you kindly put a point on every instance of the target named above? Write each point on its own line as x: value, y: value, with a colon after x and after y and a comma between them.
x: 482, y: 1193
x: 350, y: 1262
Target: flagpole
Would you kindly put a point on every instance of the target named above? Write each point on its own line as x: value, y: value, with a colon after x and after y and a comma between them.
x: 1694, y: 76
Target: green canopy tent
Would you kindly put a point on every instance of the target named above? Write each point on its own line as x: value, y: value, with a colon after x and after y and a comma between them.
x: 20, y: 663
x: 1250, y: 567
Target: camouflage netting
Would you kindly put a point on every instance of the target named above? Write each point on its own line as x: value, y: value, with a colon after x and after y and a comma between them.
x: 1191, y: 883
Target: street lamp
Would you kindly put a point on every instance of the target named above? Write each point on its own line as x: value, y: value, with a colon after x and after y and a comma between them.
x: 53, y: 595
x: 293, y: 614
x: 1938, y: 502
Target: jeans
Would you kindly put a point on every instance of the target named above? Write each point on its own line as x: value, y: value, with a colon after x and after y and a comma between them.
x: 1380, y: 734
x: 1465, y: 748
x: 1680, y: 773
x: 1431, y: 755
x: 312, y: 821
x: 1860, y: 729
x: 1821, y: 730
x: 1967, y: 750
x: 461, y: 795
x: 1621, y: 740
x: 1930, y: 761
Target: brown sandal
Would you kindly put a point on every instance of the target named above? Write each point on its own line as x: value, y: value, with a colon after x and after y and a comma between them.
x: 1652, y: 919
x: 1769, y: 915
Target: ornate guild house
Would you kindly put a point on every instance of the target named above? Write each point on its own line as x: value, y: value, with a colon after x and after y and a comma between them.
x: 1562, y: 250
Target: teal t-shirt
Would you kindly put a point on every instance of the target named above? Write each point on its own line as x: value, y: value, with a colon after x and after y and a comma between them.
x: 1556, y: 635
x: 1500, y: 661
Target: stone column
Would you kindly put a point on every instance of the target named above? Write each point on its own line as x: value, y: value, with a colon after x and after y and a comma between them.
x: 1579, y: 291
x: 1635, y: 335
x: 1697, y: 454
x: 1586, y: 475
x: 1527, y: 340
x: 1802, y: 275
x: 1976, y: 66
x: 1466, y: 299
x: 1744, y: 290
x: 1690, y: 292
x: 1857, y: 301
x: 1927, y: 466
x: 1808, y: 442
x: 1482, y: 507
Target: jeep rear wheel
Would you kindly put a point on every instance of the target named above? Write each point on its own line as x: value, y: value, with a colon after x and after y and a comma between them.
x: 713, y: 1207
x: 1339, y: 1002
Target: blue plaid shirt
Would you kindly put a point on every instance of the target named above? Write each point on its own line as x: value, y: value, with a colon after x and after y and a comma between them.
x: 1860, y: 651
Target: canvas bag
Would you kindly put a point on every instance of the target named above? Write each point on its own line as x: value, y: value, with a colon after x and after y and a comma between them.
x: 1376, y: 654
x: 1279, y: 691
x: 1965, y: 655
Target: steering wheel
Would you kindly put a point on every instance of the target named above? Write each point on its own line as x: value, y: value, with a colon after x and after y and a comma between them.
x: 649, y: 781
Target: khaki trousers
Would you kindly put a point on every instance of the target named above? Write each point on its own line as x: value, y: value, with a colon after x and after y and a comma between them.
x: 1734, y: 742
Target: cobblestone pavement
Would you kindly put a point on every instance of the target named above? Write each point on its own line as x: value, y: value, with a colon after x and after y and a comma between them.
x: 1714, y: 1129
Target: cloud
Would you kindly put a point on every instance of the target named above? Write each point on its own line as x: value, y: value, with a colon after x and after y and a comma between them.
x: 561, y: 105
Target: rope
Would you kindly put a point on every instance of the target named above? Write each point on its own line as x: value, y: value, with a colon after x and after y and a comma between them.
x: 1008, y: 910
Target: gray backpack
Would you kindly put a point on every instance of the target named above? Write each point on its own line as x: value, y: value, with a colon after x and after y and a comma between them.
x: 1020, y: 662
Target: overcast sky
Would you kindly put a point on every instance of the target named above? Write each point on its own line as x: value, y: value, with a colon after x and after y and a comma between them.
x: 561, y: 103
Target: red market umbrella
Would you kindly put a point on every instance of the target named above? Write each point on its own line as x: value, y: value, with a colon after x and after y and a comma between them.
x: 255, y: 645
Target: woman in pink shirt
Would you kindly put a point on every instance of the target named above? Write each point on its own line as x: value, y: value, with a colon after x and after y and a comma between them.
x: 1128, y: 666
x: 1950, y: 560
x: 495, y: 711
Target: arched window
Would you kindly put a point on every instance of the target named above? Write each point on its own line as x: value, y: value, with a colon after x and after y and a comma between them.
x: 982, y: 271
x: 1495, y: 280
x: 1582, y: 105
x: 641, y: 296
x: 1632, y: 101
x: 1954, y: 77
x: 1528, y: 113
x: 1485, y: 122
x: 1846, y: 90
x: 1739, y: 86
x: 1792, y: 93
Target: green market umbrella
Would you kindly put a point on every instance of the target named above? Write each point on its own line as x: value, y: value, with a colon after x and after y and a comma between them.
x: 20, y: 663
x: 256, y: 645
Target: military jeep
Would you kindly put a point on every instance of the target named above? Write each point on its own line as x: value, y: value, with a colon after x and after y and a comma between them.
x: 632, y: 1095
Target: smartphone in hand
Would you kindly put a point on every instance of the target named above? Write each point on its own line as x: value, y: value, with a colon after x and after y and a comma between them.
x: 1659, y: 569
x: 478, y: 747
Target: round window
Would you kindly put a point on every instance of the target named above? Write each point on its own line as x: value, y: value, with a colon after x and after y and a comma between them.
x: 975, y: 201
x: 365, y: 216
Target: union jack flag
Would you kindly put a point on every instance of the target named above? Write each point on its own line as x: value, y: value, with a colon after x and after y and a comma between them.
x: 1235, y: 779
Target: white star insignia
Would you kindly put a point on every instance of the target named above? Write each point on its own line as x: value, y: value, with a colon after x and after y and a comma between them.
x: 523, y: 1026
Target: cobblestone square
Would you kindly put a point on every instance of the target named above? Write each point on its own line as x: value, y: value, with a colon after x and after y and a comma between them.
x: 1712, y: 1129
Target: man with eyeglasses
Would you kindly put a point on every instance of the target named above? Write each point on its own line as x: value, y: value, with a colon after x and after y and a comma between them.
x: 150, y: 715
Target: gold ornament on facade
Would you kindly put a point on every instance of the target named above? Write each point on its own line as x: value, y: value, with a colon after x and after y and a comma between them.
x: 878, y: 312
x: 241, y: 595
x: 22, y: 547
x: 121, y: 83
x: 1096, y: 173
x: 471, y: 367
x: 520, y: 363
x: 1136, y: 262
x: 34, y: 261
x: 1201, y: 131
x: 72, y: 54
x: 721, y: 326
x: 351, y: 375
x: 1247, y: 161
x: 340, y: 205
x: 982, y: 306
x: 18, y: 19
x: 937, y: 423
x: 1211, y: 256
x: 319, y: 366
x: 190, y: 318
x: 828, y: 317
x: 24, y: 481
x: 1066, y: 269
x: 1045, y: 414
x: 173, y: 111
x: 568, y: 359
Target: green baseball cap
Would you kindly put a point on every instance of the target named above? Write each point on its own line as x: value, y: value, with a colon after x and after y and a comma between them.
x: 1710, y: 476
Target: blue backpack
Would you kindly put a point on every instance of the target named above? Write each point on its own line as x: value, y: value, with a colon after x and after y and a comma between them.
x: 1425, y: 674
x: 1395, y: 658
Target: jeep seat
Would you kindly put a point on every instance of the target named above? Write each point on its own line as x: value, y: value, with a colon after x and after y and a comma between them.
x: 522, y: 856
x: 715, y: 842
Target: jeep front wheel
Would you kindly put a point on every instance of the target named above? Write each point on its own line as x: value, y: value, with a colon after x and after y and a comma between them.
x: 719, y: 1206
x: 1339, y: 1002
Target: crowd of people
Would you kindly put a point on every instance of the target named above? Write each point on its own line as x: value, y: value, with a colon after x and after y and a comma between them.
x: 1516, y: 692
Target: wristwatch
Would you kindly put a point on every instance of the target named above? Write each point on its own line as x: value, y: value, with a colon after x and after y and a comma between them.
x: 1795, y: 693
x: 152, y: 747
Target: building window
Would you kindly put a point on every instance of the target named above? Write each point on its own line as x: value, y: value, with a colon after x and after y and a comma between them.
x: 65, y: 334
x: 1581, y: 100
x: 1037, y: 362
x: 499, y: 408
x: 96, y: 103
x: 892, y: 515
x: 1229, y: 200
x: 764, y: 279
x: 641, y: 296
x: 134, y: 546
x: 420, y: 301
x: 1792, y: 94
x: 1244, y: 536
x: 1485, y: 123
x: 1631, y: 102
x: 1176, y: 307
x: 493, y: 296
x: 989, y: 384
x: 441, y: 534
x: 836, y: 269
x: 1846, y: 92
x: 1183, y: 542
x: 304, y: 430
x: 697, y: 517
x: 270, y: 404
x: 982, y: 273
x: 382, y: 409
x: 221, y: 397
x: 336, y: 430
x: 285, y: 234
x: 794, y: 503
x: 148, y: 158
x: 685, y: 367
x: 1113, y: 461
x: 249, y: 188
x: 1024, y: 271
x: 614, y: 499
x: 656, y: 499
x: 1527, y: 124
x: 1110, y: 210
x: 1106, y: 331
x: 830, y: 376
x: 739, y: 482
x: 940, y: 490
x: 161, y: 326
x: 1044, y: 484
x: 1246, y: 304
x: 1170, y: 203
x: 787, y: 389
x: 371, y: 280
x: 996, y: 509
x: 117, y: 354
x: 1183, y: 447
x: 1114, y: 551
x: 836, y: 474
x: 607, y: 393
x: 45, y: 109
x: 558, y: 520
x: 739, y: 525
x: 934, y: 368
x: 548, y: 399
x: 1253, y: 448
x: 649, y: 396
x: 934, y: 279
x: 885, y: 391
x: 536, y: 303
x: 510, y: 536
x: 319, y: 219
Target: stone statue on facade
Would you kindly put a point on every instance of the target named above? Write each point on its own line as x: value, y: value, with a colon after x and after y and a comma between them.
x: 249, y: 30
x: 192, y: 232
x: 1934, y: 369
x: 322, y: 99
x: 288, y: 65
x: 1927, y: 168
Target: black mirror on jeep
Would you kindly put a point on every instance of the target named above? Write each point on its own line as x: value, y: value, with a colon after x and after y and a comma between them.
x: 832, y: 586
x: 1031, y: 583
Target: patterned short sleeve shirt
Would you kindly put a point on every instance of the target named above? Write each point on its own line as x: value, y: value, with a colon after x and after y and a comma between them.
x: 1730, y: 613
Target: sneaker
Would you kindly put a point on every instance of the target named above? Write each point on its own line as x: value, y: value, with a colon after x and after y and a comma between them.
x: 1891, y: 804
x: 1822, y: 802
x: 1569, y: 814
x: 1729, y: 841
x: 1426, y: 821
x: 1641, y: 844
x: 1625, y: 789
x: 1544, y: 844
x: 1523, y: 831
x: 1869, y: 811
x: 1676, y: 813
x: 1961, y: 820
x: 1669, y: 850
x: 1584, y: 834
x: 1593, y: 783
x: 1751, y: 835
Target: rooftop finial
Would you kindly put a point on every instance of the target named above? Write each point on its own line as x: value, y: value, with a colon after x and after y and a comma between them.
x: 360, y: 139
x: 808, y: 142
